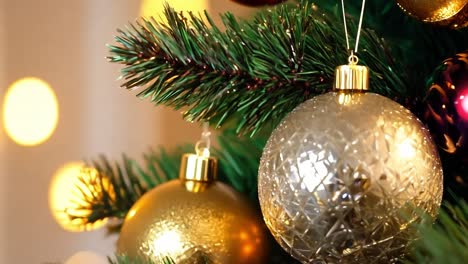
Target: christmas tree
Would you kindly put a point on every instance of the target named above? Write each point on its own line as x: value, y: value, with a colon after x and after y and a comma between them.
x: 245, y: 79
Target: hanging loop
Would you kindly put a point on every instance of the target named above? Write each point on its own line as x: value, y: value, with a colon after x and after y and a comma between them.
x: 353, y: 59
x: 358, y: 32
x: 202, y: 147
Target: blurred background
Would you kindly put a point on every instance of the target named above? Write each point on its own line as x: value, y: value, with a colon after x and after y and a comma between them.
x: 61, y: 103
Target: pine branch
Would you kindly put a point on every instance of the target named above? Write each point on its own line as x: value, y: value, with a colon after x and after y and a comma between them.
x: 120, y: 185
x: 123, y: 259
x: 256, y: 70
x: 447, y: 241
x: 238, y: 166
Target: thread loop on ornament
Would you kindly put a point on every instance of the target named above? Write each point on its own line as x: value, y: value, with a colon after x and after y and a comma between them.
x: 202, y: 148
x: 353, y: 59
x: 198, y: 170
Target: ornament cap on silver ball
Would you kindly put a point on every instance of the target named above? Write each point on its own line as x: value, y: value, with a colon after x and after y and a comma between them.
x: 352, y: 77
x: 346, y: 174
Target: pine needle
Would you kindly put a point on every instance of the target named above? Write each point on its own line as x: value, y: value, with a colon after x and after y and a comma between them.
x: 118, y: 185
x: 447, y: 241
x: 257, y: 70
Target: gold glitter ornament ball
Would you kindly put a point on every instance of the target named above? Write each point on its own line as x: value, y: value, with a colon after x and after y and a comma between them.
x: 453, y: 13
x: 344, y: 176
x: 193, y: 222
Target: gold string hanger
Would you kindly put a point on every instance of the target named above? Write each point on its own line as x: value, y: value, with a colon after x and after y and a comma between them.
x: 353, y: 59
x: 352, y: 77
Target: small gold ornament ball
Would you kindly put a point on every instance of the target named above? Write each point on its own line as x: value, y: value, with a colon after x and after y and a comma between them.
x: 453, y: 13
x: 345, y: 175
x: 215, y: 223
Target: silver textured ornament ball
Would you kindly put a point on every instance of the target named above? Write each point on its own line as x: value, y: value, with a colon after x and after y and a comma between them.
x: 344, y: 177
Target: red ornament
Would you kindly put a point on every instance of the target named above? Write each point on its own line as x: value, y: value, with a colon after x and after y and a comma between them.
x: 446, y: 106
x: 258, y: 2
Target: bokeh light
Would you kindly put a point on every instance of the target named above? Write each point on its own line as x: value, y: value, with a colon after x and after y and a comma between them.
x: 87, y: 257
x: 155, y: 8
x: 461, y: 104
x: 30, y: 111
x: 68, y: 190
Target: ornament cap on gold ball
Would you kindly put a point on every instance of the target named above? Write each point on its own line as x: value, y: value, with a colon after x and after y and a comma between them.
x: 352, y: 76
x: 198, y: 171
x: 194, y: 219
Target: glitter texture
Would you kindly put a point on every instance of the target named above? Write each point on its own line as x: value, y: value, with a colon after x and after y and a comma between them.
x: 341, y: 181
x: 216, y: 225
x: 452, y: 13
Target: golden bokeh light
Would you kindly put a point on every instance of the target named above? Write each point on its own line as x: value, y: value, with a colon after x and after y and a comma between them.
x: 155, y: 8
x: 68, y: 190
x: 30, y: 111
x: 89, y: 257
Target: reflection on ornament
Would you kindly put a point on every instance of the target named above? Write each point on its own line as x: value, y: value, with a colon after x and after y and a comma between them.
x: 461, y: 104
x: 406, y: 149
x: 343, y: 182
x: 30, y: 111
x: 167, y: 242
x: 193, y: 219
x: 344, y: 98
x: 453, y: 13
x: 67, y: 191
x: 155, y: 8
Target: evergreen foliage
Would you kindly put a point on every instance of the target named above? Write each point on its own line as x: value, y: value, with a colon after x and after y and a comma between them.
x: 122, y: 259
x: 256, y: 70
x: 238, y: 164
x: 249, y: 75
x: 262, y: 68
x: 447, y: 241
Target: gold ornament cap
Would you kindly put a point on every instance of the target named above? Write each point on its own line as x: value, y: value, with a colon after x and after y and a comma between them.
x: 351, y: 77
x: 197, y: 171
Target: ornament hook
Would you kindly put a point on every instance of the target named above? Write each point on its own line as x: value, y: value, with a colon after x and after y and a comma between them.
x: 353, y: 59
x: 202, y: 147
x: 198, y: 170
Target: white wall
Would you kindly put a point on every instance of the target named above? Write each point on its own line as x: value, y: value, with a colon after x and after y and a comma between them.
x: 44, y: 39
x: 63, y: 42
x: 130, y: 124
x: 3, y: 198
